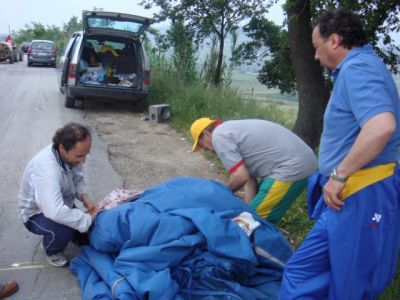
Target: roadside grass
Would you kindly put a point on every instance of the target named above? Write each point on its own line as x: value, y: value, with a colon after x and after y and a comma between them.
x: 392, y: 291
x: 295, y: 224
x: 194, y: 100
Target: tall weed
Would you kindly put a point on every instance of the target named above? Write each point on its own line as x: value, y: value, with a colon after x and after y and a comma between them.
x: 190, y: 101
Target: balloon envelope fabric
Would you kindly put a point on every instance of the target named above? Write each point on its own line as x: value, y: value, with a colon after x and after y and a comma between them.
x: 181, y: 240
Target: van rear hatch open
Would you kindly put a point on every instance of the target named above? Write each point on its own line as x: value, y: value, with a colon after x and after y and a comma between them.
x: 116, y: 24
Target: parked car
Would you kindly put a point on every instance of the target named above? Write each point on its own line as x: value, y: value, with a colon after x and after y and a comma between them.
x: 6, y: 52
x: 106, y: 60
x: 25, y: 46
x: 42, y: 52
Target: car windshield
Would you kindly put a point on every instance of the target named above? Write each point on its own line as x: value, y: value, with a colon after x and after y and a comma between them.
x: 42, y: 45
x: 105, y: 23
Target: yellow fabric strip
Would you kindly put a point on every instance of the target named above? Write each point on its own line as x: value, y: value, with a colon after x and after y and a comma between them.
x: 366, y: 177
x: 273, y: 197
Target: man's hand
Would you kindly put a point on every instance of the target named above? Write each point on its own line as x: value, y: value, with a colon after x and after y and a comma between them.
x: 333, y: 193
x: 91, y: 207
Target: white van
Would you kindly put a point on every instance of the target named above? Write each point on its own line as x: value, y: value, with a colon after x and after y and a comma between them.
x: 106, y: 60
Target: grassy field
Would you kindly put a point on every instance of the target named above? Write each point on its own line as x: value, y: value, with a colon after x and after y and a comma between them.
x: 249, y: 87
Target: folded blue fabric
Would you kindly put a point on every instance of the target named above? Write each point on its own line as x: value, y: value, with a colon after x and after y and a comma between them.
x: 179, y: 241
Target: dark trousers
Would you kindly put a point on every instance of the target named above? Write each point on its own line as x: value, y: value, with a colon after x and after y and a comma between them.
x: 55, y: 236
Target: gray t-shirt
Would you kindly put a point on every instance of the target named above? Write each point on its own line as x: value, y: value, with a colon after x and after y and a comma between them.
x: 267, y: 149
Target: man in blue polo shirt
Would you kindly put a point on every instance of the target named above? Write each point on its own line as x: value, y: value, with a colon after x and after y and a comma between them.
x: 352, y: 251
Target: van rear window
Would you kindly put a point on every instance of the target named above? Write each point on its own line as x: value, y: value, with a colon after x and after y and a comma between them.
x: 130, y: 26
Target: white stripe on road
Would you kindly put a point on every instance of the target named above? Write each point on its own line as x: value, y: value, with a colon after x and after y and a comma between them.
x: 24, y: 266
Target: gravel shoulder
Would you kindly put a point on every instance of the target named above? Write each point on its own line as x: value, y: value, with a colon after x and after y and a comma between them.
x: 142, y: 153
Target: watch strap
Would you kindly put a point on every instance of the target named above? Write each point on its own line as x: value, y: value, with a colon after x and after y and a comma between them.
x: 336, y: 177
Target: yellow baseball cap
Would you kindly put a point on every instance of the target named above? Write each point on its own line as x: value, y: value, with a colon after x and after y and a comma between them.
x: 197, y: 129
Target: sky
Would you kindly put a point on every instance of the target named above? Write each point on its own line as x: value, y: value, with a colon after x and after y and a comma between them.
x: 17, y: 13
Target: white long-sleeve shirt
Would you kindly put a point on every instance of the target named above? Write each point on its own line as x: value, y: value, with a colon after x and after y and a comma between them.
x: 50, y: 187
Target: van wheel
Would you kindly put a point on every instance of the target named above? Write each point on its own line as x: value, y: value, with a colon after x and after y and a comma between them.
x: 69, y: 101
x: 12, y: 59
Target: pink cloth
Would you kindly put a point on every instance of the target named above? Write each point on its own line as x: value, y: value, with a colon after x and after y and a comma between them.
x: 118, y: 196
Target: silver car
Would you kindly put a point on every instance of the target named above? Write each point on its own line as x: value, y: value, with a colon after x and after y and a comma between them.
x: 42, y: 52
x: 106, y: 60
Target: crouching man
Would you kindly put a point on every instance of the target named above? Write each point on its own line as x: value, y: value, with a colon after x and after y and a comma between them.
x: 253, y: 150
x: 51, y: 182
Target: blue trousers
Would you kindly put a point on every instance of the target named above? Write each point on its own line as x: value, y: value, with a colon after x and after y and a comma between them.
x: 55, y: 236
x: 352, y: 253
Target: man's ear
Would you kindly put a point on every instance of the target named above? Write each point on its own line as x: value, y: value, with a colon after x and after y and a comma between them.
x: 61, y: 149
x: 335, y: 40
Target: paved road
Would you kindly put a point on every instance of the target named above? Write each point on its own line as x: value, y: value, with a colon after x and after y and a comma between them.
x: 31, y: 109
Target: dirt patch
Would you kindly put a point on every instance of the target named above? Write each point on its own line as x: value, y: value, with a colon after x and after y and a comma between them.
x: 145, y: 154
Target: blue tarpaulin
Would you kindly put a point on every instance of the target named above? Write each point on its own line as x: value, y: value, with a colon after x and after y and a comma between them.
x: 179, y: 241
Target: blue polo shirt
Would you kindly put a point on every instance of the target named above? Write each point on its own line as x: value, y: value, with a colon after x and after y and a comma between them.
x: 363, y: 87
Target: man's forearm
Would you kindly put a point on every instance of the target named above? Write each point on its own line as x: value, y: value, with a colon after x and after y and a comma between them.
x: 373, y: 137
x: 238, y: 178
x: 250, y: 189
x: 234, y: 184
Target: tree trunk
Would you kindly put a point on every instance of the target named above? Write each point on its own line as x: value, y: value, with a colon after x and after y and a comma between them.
x: 312, y: 90
x: 217, y: 78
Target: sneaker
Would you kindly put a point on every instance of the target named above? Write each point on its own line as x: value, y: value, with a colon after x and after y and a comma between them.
x: 57, y: 260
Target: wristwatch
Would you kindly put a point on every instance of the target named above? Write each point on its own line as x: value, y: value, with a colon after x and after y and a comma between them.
x: 336, y: 177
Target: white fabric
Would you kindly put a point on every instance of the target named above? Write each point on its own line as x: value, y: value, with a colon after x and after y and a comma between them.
x: 246, y: 222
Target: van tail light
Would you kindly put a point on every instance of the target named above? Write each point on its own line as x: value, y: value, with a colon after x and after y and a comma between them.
x: 30, y: 50
x: 53, y: 52
x: 72, y: 71
x: 146, y: 77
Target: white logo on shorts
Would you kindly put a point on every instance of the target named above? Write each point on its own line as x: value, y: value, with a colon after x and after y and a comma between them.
x: 377, y: 217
